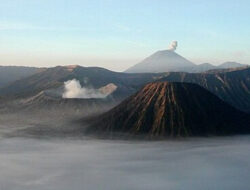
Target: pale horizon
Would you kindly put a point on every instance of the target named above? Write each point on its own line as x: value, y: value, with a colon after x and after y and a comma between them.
x: 118, y: 34
x: 111, y: 64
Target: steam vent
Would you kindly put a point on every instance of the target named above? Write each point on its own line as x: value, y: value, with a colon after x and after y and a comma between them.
x: 164, y: 109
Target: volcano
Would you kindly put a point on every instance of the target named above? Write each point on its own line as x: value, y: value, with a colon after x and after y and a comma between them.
x: 162, y: 61
x: 164, y: 109
x: 228, y: 65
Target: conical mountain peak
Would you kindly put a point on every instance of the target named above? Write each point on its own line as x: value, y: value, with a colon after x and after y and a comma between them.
x: 162, y: 61
x: 173, y: 109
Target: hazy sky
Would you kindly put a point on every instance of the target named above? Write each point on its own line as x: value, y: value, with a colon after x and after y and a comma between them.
x: 118, y: 34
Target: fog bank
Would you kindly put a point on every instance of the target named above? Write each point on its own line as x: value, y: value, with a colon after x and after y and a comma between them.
x: 216, y: 163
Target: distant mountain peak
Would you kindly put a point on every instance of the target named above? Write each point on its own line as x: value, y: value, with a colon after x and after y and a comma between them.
x: 170, y: 61
x: 161, y: 61
x: 230, y: 64
x: 206, y: 64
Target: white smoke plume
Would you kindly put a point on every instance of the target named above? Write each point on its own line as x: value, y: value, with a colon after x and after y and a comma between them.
x: 173, y: 46
x: 73, y: 89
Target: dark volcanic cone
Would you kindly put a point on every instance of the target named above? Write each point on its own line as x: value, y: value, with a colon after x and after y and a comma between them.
x: 172, y: 109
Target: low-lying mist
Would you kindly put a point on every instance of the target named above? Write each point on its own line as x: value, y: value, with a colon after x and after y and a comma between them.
x: 61, y: 117
x: 60, y: 157
x: 43, y: 164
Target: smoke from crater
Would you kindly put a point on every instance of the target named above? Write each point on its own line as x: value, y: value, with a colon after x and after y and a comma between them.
x: 173, y: 46
x: 73, y: 89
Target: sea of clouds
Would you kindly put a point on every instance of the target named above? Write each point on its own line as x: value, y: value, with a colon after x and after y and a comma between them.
x: 61, y: 164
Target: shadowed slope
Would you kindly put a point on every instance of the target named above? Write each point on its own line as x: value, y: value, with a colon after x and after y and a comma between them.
x: 232, y: 87
x: 173, y: 109
x: 53, y: 78
x: 9, y: 74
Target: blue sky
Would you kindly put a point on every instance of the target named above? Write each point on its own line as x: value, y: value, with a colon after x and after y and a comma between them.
x: 118, y: 34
